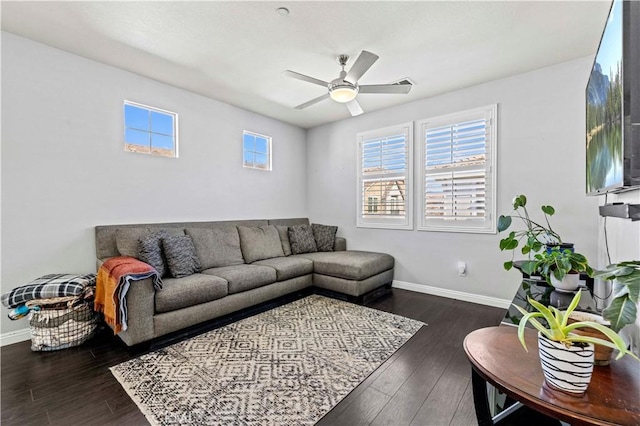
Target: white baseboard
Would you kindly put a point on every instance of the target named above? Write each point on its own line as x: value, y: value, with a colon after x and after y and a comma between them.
x: 453, y: 294
x: 15, y: 337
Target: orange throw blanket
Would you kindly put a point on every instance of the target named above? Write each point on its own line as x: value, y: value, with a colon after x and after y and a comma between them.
x: 113, y: 281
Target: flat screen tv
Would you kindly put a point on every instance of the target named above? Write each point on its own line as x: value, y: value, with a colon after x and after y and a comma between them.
x: 613, y: 104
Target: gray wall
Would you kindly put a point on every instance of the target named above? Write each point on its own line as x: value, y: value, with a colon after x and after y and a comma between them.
x: 541, y: 154
x: 64, y: 169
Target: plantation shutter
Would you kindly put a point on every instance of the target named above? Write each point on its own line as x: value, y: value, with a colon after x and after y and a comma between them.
x: 384, y: 164
x: 458, y: 173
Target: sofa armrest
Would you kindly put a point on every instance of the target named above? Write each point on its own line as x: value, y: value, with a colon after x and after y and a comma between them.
x: 140, y: 300
x: 340, y: 244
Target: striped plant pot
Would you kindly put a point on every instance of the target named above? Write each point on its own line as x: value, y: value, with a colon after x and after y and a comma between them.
x: 566, y: 369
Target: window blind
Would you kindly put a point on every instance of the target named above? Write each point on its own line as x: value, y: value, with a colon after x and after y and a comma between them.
x: 458, y: 171
x: 455, y: 157
x: 384, y: 168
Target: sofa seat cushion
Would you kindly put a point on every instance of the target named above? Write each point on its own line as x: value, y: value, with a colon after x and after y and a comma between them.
x: 350, y: 264
x: 244, y: 277
x: 288, y: 267
x: 179, y: 293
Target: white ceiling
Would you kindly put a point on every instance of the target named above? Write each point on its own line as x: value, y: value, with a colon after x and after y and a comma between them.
x: 235, y: 51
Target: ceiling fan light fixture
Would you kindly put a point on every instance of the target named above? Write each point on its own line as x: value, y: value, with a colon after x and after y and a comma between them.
x: 343, y: 91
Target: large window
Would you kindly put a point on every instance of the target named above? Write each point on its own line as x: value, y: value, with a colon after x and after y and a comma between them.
x: 256, y: 151
x: 150, y: 130
x: 458, y: 171
x: 384, y: 185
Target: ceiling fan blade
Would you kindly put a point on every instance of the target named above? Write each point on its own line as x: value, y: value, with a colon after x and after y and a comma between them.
x: 354, y: 108
x: 385, y: 88
x: 306, y: 78
x: 362, y: 64
x: 313, y: 101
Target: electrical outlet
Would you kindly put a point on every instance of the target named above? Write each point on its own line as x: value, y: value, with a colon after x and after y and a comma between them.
x: 462, y: 269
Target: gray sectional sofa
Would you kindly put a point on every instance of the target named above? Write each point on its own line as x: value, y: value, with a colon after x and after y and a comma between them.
x: 230, y: 278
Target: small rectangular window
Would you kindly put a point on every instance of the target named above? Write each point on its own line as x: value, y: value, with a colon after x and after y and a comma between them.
x: 256, y: 151
x: 150, y: 130
x: 384, y: 184
x: 458, y: 182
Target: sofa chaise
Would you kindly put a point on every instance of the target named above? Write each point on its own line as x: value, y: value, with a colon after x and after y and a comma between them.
x: 242, y: 264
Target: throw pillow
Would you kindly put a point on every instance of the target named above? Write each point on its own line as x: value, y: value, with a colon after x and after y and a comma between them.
x: 151, y: 251
x: 283, y: 231
x: 325, y: 236
x: 180, y: 252
x: 301, y: 239
x: 259, y: 242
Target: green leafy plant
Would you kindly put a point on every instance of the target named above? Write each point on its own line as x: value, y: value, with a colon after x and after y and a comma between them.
x: 534, y: 236
x: 557, y: 262
x: 560, y: 331
x: 625, y: 292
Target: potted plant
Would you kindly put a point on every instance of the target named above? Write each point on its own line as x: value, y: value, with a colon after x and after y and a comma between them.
x: 535, y: 236
x: 560, y: 267
x: 622, y: 309
x: 565, y: 357
x: 625, y: 292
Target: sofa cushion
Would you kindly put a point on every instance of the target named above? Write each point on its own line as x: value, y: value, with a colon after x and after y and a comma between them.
x: 324, y: 235
x: 150, y: 251
x: 244, y: 277
x: 288, y: 267
x: 128, y: 240
x: 301, y: 239
x: 259, y: 242
x: 181, y: 256
x: 350, y: 265
x: 217, y: 246
x: 283, y: 232
x: 179, y: 293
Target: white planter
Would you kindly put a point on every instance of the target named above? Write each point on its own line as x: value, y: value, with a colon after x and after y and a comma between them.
x: 570, y: 282
x: 566, y: 369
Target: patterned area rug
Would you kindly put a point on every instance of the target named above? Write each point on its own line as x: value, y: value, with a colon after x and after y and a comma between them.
x: 287, y: 366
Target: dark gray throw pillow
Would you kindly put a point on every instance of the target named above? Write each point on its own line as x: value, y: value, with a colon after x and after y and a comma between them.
x: 150, y: 251
x: 180, y: 252
x: 324, y: 235
x: 301, y: 239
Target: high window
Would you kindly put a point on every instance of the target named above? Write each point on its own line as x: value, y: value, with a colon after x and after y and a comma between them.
x: 384, y: 185
x: 256, y: 151
x: 458, y: 171
x: 150, y: 130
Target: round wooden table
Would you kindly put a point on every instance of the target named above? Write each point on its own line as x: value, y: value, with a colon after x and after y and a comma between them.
x: 613, y: 396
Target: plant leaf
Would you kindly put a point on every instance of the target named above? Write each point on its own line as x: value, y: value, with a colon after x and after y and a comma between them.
x: 572, y: 306
x: 548, y: 210
x: 503, y: 223
x: 529, y: 267
x: 508, y: 265
x: 551, y: 320
x: 620, y: 312
x: 615, y: 340
x: 529, y: 317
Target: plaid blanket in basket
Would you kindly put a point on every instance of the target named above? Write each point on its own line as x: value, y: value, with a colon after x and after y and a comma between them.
x: 48, y: 286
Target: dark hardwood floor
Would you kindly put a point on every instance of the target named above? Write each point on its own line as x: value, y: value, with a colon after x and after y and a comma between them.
x: 426, y: 382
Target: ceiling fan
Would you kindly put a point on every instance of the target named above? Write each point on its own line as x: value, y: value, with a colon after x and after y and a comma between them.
x: 345, y: 88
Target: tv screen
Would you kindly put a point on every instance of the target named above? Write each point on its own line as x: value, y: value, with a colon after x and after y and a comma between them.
x: 605, y: 120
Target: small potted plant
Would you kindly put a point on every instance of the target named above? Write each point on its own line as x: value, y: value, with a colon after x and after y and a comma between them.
x: 625, y: 292
x: 560, y: 267
x: 565, y: 357
x: 535, y: 236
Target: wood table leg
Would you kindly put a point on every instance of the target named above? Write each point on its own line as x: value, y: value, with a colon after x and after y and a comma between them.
x: 480, y: 401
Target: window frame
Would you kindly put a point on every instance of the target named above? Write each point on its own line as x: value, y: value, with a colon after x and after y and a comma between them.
x: 487, y: 226
x: 150, y: 109
x: 269, y: 152
x: 389, y: 221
